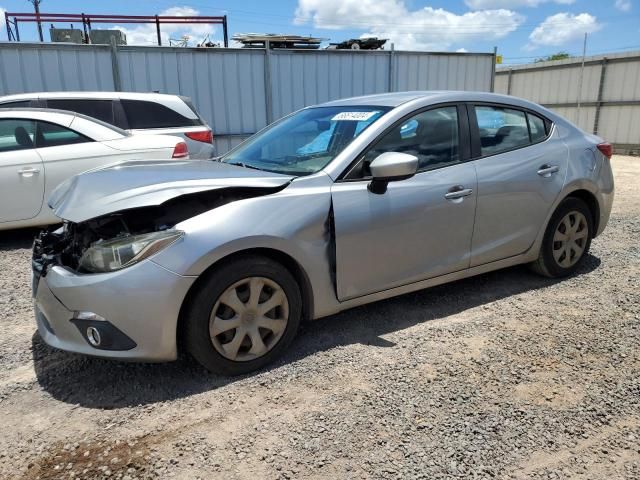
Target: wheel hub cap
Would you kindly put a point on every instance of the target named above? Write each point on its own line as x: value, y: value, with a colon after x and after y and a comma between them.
x: 248, y: 319
x: 570, y: 239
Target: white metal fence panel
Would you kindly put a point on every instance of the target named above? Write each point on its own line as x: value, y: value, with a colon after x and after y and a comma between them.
x: 609, y: 99
x: 38, y: 68
x: 227, y: 87
x: 621, y: 123
x: 301, y: 78
x: 622, y: 81
x: 428, y: 71
x: 237, y: 91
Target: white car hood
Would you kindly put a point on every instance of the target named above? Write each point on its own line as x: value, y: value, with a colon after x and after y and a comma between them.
x: 146, y: 183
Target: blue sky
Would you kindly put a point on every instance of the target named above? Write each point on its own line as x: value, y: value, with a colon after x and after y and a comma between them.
x: 521, y: 29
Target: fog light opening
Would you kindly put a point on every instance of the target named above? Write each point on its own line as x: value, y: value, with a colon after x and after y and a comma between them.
x: 93, y: 336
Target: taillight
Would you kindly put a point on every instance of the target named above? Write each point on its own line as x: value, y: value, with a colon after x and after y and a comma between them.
x: 606, y: 148
x: 205, y: 136
x: 180, y: 150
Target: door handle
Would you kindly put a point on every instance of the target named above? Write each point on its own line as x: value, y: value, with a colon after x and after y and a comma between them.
x: 457, y: 192
x: 547, y: 170
x: 28, y: 171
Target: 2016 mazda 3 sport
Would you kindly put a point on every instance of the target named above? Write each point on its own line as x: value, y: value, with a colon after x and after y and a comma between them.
x: 331, y: 207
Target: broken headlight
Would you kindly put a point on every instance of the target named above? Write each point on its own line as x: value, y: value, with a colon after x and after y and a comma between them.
x: 117, y: 253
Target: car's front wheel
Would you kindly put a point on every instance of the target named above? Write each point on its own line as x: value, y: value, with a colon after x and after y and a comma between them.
x: 567, y: 239
x: 243, y: 315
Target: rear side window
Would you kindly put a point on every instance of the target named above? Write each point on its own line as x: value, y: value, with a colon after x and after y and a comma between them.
x: 52, y: 135
x: 16, y: 134
x: 143, y: 114
x: 537, y: 128
x: 100, y: 109
x: 501, y: 129
x: 19, y: 104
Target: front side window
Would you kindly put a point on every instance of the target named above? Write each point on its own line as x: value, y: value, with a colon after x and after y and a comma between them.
x: 100, y: 109
x: 142, y: 114
x: 431, y: 136
x: 501, y: 129
x: 53, y: 135
x: 306, y: 141
x: 16, y: 134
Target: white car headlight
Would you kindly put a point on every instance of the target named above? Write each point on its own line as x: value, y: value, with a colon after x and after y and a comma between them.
x: 110, y: 255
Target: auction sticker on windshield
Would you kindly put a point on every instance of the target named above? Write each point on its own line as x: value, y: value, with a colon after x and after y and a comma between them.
x: 354, y: 116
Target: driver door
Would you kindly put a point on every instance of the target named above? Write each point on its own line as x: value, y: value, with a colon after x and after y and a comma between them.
x: 420, y: 227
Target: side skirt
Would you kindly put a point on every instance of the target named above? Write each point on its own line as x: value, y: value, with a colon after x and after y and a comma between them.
x: 431, y: 282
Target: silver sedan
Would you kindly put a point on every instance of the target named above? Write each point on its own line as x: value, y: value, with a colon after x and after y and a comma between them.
x: 331, y: 207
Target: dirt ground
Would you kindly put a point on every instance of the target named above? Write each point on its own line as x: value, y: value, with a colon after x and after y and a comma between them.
x: 506, y: 375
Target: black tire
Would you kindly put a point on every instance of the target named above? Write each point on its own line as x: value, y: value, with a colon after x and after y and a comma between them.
x: 546, y: 264
x: 196, y: 335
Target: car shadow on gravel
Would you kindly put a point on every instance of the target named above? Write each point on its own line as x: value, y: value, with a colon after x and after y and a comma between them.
x: 98, y: 383
x: 15, y: 239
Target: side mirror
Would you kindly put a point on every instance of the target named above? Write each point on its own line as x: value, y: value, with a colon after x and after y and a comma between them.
x: 389, y: 167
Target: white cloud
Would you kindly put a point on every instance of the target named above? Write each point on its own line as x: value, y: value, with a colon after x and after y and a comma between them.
x: 623, y: 5
x: 2, y: 24
x: 562, y: 28
x: 462, y: 50
x: 145, y: 34
x: 485, y: 4
x: 423, y: 29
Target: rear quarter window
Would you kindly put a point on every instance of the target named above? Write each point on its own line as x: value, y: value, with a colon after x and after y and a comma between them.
x: 142, y: 114
x: 537, y: 128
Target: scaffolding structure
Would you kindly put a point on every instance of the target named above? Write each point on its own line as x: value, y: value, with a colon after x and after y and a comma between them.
x: 13, y: 19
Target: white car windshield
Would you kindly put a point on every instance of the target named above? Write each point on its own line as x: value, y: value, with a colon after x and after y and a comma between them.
x: 306, y: 141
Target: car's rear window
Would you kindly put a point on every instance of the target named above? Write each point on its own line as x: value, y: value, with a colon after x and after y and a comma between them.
x: 143, y: 114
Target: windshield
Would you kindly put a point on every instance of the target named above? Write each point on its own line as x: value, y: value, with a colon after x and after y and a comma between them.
x: 305, y: 142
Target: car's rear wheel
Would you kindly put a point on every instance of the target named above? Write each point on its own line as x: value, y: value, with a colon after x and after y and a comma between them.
x: 243, y: 315
x: 567, y: 239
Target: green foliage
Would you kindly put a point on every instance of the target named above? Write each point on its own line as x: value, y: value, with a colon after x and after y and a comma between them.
x: 555, y: 56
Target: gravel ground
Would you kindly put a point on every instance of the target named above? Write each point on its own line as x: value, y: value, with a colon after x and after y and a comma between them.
x: 506, y: 375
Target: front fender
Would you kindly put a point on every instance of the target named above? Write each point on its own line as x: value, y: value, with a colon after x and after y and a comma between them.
x: 294, y: 221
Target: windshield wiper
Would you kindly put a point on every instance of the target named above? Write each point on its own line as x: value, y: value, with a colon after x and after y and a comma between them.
x: 244, y: 165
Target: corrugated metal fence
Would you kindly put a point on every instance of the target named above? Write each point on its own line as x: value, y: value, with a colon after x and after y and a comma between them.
x: 238, y: 91
x: 609, y: 98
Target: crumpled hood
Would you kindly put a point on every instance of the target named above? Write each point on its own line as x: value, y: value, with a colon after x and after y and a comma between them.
x: 129, y: 185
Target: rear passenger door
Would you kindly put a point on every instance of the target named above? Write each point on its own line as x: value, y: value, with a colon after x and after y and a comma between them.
x: 521, y: 165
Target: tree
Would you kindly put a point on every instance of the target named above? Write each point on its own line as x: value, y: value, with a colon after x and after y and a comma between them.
x: 555, y: 56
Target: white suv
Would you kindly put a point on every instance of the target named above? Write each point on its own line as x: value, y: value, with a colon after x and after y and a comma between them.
x: 149, y: 113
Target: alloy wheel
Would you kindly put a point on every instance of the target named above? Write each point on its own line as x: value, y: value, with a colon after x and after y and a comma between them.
x: 248, y: 319
x: 570, y: 239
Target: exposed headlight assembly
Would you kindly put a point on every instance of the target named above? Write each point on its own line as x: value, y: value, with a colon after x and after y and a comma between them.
x: 117, y: 253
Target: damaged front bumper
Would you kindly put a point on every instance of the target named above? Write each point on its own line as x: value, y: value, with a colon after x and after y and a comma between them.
x: 128, y: 314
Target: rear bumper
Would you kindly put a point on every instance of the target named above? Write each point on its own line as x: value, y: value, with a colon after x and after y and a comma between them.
x: 141, y: 302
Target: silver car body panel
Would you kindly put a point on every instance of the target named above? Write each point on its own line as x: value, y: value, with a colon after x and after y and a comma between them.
x: 141, y: 313
x: 396, y: 234
x: 138, y: 184
x: 353, y: 247
x: 513, y: 199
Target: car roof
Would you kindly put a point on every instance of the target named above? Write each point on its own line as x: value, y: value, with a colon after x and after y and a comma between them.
x: 396, y: 99
x: 51, y: 114
x: 151, y: 96
x: 38, y: 112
